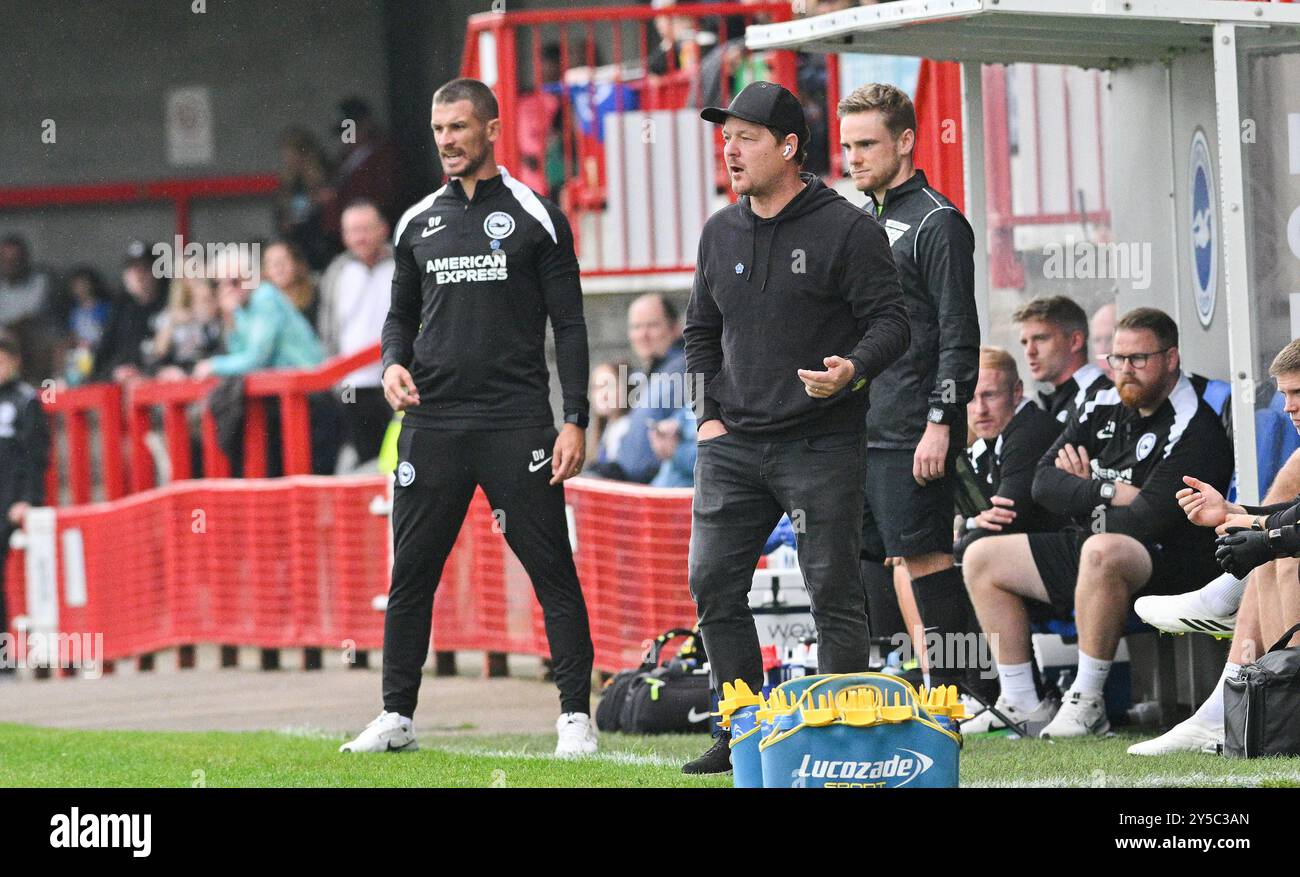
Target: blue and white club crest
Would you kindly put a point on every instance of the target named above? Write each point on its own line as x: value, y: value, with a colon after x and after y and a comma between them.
x: 405, y: 473
x: 1205, y: 248
x: 740, y: 268
x: 498, y: 225
x: 1146, y: 445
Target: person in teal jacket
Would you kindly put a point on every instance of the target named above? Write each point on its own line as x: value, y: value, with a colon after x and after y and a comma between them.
x: 673, y: 442
x: 265, y: 331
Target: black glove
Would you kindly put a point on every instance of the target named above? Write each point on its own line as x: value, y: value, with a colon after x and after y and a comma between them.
x: 1241, y: 550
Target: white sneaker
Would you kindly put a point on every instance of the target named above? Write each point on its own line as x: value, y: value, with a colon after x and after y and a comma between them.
x: 1184, y: 613
x: 577, y: 737
x: 986, y: 721
x: 1190, y: 735
x: 388, y: 733
x: 1080, y: 715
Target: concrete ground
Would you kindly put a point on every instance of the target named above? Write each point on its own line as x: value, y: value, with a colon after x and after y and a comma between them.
x: 333, y: 700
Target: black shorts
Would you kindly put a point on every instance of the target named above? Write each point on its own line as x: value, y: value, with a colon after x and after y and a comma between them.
x: 1056, y: 556
x: 900, y: 518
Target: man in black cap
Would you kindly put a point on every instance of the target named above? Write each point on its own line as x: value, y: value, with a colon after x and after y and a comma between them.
x: 24, y: 454
x: 796, y: 306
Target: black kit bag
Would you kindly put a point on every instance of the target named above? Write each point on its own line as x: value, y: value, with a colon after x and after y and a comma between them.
x: 1261, y: 707
x: 653, y: 699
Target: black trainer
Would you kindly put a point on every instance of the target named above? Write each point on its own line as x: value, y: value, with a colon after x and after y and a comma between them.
x: 716, y: 760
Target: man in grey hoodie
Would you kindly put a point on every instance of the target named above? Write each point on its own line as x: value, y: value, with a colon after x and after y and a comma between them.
x: 795, y: 308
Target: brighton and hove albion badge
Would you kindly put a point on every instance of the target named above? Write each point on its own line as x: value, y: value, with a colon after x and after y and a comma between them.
x: 1145, y: 445
x: 405, y: 474
x: 499, y: 225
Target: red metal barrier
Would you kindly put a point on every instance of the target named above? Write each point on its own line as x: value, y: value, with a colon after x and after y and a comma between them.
x: 75, y: 411
x: 297, y: 562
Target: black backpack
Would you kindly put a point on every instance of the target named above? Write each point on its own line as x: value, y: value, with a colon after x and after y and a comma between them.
x: 675, y: 698
x: 1261, y: 707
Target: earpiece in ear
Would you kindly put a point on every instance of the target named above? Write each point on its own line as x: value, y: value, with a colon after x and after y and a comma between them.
x: 787, y: 151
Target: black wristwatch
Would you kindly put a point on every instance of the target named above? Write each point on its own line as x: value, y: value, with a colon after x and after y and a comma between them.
x: 1107, y: 491
x: 578, y: 419
x: 939, y: 415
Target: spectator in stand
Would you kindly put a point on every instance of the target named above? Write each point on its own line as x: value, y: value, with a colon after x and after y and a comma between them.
x: 265, y: 331
x: 366, y: 165
x: 88, y: 312
x: 189, y: 330
x: 27, y: 307
x: 679, y: 42
x: 132, y: 320
x: 284, y: 265
x: 1101, y: 331
x: 305, y: 198
x: 673, y: 442
x: 1054, y: 334
x: 1012, y: 434
x: 728, y: 62
x: 24, y: 455
x: 355, y: 294
x: 609, y: 420
x: 1115, y: 471
x: 655, y: 332
x: 539, y: 128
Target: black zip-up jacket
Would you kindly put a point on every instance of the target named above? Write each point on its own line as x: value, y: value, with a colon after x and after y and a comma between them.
x: 474, y: 285
x: 24, y: 447
x: 1182, y: 436
x: 1007, y: 468
x: 934, y: 249
x: 1065, y: 400
x: 772, y: 296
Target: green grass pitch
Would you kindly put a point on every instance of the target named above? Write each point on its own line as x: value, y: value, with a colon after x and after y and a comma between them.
x: 32, y: 756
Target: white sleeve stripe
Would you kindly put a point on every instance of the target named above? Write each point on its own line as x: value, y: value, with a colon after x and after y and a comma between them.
x: 528, y: 200
x: 917, y: 237
x: 934, y: 199
x: 1186, y: 403
x: 1108, y: 396
x: 419, y: 208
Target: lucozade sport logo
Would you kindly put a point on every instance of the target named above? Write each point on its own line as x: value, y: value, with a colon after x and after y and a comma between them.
x: 884, y: 769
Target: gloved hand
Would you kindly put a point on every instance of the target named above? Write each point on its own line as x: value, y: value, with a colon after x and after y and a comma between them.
x: 1241, y: 550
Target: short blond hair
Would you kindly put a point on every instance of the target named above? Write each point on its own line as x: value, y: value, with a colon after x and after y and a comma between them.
x: 894, y: 105
x: 1287, y: 360
x: 999, y: 359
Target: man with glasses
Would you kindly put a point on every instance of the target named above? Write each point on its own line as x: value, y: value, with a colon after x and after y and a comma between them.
x: 1115, y: 472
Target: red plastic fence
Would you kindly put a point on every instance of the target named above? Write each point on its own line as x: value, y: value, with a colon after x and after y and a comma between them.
x: 296, y: 562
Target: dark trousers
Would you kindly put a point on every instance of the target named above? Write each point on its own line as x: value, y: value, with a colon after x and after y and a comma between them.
x: 5, y: 529
x: 435, y: 480
x: 365, y: 420
x: 742, y: 486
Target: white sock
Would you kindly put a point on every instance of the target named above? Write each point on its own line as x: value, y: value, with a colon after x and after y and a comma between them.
x: 1211, y: 712
x: 1092, y: 674
x: 1017, y: 682
x: 1223, y: 595
x: 406, y: 719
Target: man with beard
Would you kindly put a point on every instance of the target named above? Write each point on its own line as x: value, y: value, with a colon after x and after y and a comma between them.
x: 482, y: 264
x: 1115, y: 471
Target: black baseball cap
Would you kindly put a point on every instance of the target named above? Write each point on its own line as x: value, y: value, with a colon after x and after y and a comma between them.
x: 763, y: 103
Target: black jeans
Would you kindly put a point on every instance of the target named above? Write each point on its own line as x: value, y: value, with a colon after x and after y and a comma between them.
x: 434, y: 484
x: 742, y: 485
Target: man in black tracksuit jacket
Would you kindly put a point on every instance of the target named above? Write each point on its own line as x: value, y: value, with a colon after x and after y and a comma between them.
x: 1012, y: 435
x: 795, y: 309
x: 24, y: 454
x: 917, y: 423
x: 481, y: 265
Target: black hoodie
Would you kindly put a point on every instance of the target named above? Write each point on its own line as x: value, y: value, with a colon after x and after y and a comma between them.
x: 772, y: 296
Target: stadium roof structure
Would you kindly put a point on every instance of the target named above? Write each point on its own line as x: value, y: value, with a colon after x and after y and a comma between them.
x: 1103, y: 34
x: 1083, y: 33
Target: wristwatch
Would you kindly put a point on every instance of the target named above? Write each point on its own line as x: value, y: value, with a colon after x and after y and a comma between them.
x: 578, y: 419
x: 1107, y: 491
x: 939, y: 415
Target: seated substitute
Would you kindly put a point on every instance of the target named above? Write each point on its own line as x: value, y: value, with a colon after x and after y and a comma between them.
x: 1012, y: 434
x: 1115, y: 471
